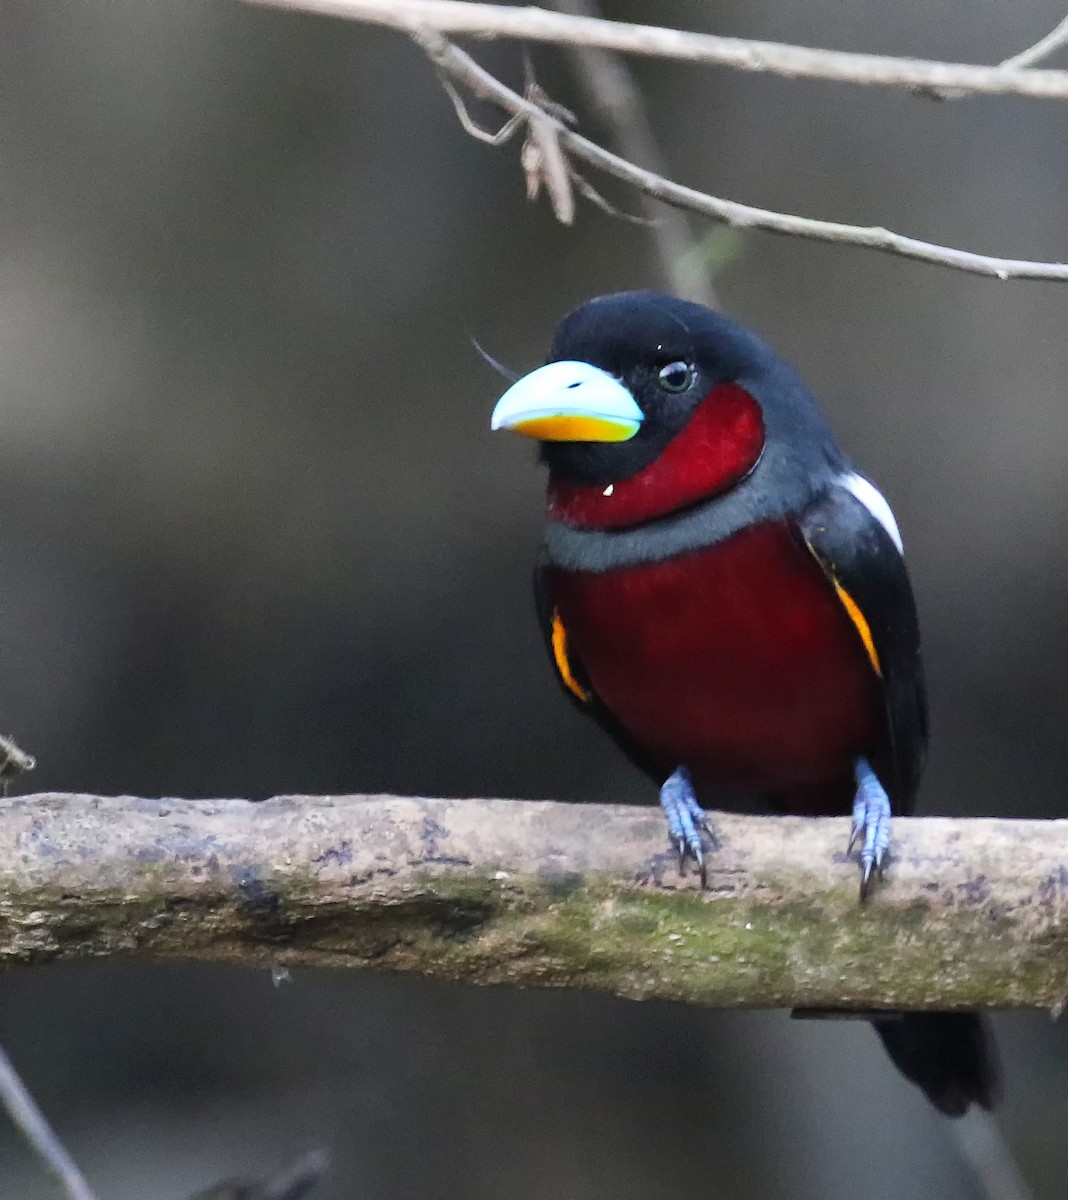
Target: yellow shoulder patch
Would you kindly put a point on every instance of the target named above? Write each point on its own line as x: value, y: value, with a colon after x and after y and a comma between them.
x: 863, y: 628
x: 559, y: 642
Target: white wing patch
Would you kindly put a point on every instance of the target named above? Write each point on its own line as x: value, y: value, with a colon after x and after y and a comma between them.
x: 875, y: 502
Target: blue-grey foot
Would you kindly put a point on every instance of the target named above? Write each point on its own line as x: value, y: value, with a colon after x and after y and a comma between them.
x: 686, y: 822
x: 871, y: 825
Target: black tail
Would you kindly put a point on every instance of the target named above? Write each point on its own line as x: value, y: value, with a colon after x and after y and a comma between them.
x: 951, y: 1057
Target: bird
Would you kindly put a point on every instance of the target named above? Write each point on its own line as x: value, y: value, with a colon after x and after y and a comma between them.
x: 725, y: 593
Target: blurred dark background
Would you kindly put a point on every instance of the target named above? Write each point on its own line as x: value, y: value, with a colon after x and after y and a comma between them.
x: 256, y: 537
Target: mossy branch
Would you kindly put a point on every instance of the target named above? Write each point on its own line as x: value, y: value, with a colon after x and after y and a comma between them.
x: 973, y: 913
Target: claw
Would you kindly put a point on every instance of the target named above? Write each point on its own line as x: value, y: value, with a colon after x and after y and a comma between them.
x: 686, y: 822
x: 871, y: 821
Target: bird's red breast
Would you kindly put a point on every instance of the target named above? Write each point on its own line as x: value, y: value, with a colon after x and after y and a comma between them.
x: 738, y: 659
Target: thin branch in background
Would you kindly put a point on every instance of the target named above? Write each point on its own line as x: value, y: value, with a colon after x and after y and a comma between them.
x: 543, y: 161
x: 461, y: 67
x: 613, y: 93
x: 1043, y: 48
x: 530, y: 24
x: 296, y: 1179
x: 28, y: 1118
x: 585, y: 188
x: 982, y: 1145
x: 424, y: 19
x: 532, y: 159
x: 292, y: 1182
x: 471, y: 126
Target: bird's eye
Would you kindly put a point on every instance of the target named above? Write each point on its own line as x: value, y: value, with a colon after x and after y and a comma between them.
x: 676, y: 377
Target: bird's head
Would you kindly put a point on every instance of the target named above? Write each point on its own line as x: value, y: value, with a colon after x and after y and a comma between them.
x: 648, y: 405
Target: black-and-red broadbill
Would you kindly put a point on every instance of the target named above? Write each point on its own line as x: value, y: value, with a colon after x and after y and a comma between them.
x: 725, y: 593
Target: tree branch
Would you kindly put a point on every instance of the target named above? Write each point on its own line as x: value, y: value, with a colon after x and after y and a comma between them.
x: 452, y: 61
x: 423, y: 19
x: 973, y: 913
x: 540, y: 25
x: 613, y: 93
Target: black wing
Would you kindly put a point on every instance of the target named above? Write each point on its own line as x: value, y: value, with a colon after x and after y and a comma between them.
x: 862, y: 559
x: 572, y: 676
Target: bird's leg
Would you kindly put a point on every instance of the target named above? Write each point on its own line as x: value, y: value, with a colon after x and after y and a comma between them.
x: 871, y: 824
x: 686, y: 821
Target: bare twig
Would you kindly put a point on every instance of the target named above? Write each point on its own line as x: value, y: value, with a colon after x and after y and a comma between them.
x: 1043, y: 48
x: 23, y: 1111
x: 543, y: 162
x: 297, y: 1179
x: 973, y: 913
x: 452, y: 60
x: 539, y: 25
x: 989, y: 1157
x: 585, y: 188
x: 423, y: 19
x: 534, y: 156
x: 292, y: 1182
x: 613, y: 93
x: 470, y: 126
